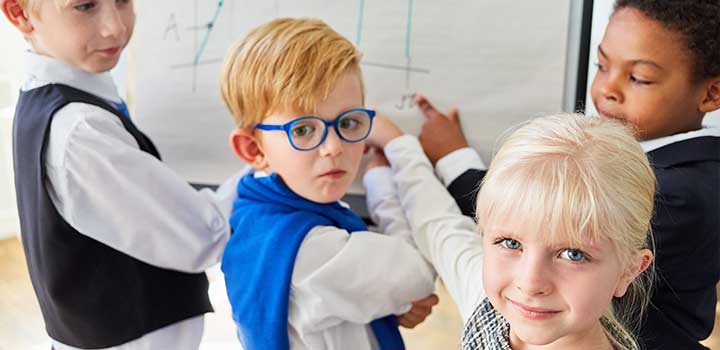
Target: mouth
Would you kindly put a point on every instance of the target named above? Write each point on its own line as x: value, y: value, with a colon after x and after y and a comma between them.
x: 111, y: 51
x: 604, y: 114
x: 334, y: 174
x: 533, y: 313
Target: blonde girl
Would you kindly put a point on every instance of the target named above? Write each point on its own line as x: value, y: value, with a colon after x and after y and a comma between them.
x: 563, y: 216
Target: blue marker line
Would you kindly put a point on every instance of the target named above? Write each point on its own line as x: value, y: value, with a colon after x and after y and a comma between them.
x: 361, y: 16
x: 409, y: 29
x: 207, y: 35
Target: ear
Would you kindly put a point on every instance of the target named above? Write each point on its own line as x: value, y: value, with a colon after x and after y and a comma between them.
x: 17, y: 16
x: 247, y: 147
x: 643, y: 259
x: 711, y: 98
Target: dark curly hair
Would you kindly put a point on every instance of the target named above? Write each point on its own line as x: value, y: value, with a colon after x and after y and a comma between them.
x: 697, y: 22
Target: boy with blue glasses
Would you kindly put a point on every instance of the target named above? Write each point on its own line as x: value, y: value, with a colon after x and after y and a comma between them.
x: 301, y: 269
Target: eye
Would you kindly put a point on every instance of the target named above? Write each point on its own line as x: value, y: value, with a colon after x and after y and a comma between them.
x: 600, y: 67
x: 638, y: 81
x: 85, y: 7
x: 574, y: 255
x: 302, y: 130
x: 349, y: 123
x: 509, y: 243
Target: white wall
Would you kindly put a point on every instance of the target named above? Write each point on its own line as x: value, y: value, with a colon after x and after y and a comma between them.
x: 10, y: 74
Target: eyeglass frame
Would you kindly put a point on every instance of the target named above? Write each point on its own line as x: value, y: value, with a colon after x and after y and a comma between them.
x: 287, y: 127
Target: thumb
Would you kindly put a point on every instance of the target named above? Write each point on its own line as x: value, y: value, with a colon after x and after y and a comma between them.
x: 454, y: 115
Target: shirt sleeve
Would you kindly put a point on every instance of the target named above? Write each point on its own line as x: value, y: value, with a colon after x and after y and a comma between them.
x: 456, y: 163
x: 444, y: 236
x: 106, y: 188
x: 384, y: 205
x: 341, y: 277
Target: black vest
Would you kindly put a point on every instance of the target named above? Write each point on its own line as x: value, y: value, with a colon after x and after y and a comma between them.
x: 91, y: 295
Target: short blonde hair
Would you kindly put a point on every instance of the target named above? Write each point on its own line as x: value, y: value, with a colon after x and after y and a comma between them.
x: 582, y: 179
x: 33, y: 5
x: 285, y: 65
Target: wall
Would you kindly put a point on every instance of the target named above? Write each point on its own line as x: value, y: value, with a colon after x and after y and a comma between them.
x: 10, y: 74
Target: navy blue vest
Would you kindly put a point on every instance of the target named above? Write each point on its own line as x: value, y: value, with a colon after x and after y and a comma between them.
x: 91, y: 295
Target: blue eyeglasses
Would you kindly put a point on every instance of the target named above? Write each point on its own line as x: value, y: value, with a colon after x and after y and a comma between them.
x: 307, y: 133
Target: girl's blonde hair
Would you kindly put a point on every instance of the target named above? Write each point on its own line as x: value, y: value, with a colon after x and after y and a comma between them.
x: 285, y: 65
x: 582, y: 179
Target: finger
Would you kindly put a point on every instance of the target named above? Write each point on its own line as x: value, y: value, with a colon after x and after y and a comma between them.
x: 454, y: 115
x: 430, y: 300
x: 413, y: 318
x: 426, y: 107
x: 401, y: 321
x: 405, y: 323
x: 419, y: 314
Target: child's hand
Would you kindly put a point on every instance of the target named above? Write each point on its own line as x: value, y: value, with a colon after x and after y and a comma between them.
x: 377, y: 159
x: 383, y: 131
x: 420, y: 310
x: 440, y: 134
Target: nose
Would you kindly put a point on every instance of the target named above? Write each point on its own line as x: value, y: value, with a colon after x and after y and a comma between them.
x: 332, y: 146
x: 609, y: 87
x: 534, y: 276
x: 112, y: 24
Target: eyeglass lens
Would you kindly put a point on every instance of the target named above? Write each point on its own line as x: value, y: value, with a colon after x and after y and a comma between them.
x: 352, y: 127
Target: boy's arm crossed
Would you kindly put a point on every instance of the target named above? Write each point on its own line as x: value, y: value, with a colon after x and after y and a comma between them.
x: 355, y: 278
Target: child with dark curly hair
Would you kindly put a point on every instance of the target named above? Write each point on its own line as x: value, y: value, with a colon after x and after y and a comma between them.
x: 659, y: 71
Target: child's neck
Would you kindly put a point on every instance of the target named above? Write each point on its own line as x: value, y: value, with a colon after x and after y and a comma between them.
x: 591, y: 339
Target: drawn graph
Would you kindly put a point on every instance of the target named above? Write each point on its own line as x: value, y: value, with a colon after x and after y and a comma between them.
x: 205, y: 30
x: 407, y: 100
x: 202, y: 31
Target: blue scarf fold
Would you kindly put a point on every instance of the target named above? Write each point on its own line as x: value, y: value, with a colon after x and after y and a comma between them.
x: 269, y: 223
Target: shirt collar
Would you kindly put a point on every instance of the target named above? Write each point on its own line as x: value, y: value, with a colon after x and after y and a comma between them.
x: 43, y: 70
x: 651, y: 145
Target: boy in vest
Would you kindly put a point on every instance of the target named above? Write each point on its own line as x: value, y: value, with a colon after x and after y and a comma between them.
x: 116, y: 243
x: 301, y: 269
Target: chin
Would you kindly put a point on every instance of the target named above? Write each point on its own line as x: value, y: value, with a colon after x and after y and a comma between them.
x: 100, y: 67
x: 535, y: 338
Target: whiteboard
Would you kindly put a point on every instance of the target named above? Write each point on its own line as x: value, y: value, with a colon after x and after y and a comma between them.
x: 602, y: 9
x: 500, y: 62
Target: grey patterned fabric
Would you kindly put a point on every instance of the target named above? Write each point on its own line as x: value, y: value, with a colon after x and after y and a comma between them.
x: 486, y: 329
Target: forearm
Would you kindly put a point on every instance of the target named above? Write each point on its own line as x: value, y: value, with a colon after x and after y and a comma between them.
x: 446, y: 237
x: 384, y: 205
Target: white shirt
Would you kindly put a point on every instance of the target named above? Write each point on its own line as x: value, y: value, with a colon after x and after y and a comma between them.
x: 342, y: 282
x: 445, y: 237
x: 106, y: 188
x: 455, y: 163
x: 651, y: 145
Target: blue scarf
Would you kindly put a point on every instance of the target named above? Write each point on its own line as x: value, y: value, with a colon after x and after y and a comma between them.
x: 269, y: 223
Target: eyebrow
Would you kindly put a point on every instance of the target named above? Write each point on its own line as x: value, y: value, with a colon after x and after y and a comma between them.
x: 633, y: 62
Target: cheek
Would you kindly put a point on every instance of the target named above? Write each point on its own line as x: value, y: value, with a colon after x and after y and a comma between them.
x: 590, y: 299
x: 594, y: 89
x: 353, y: 154
x: 495, y: 273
